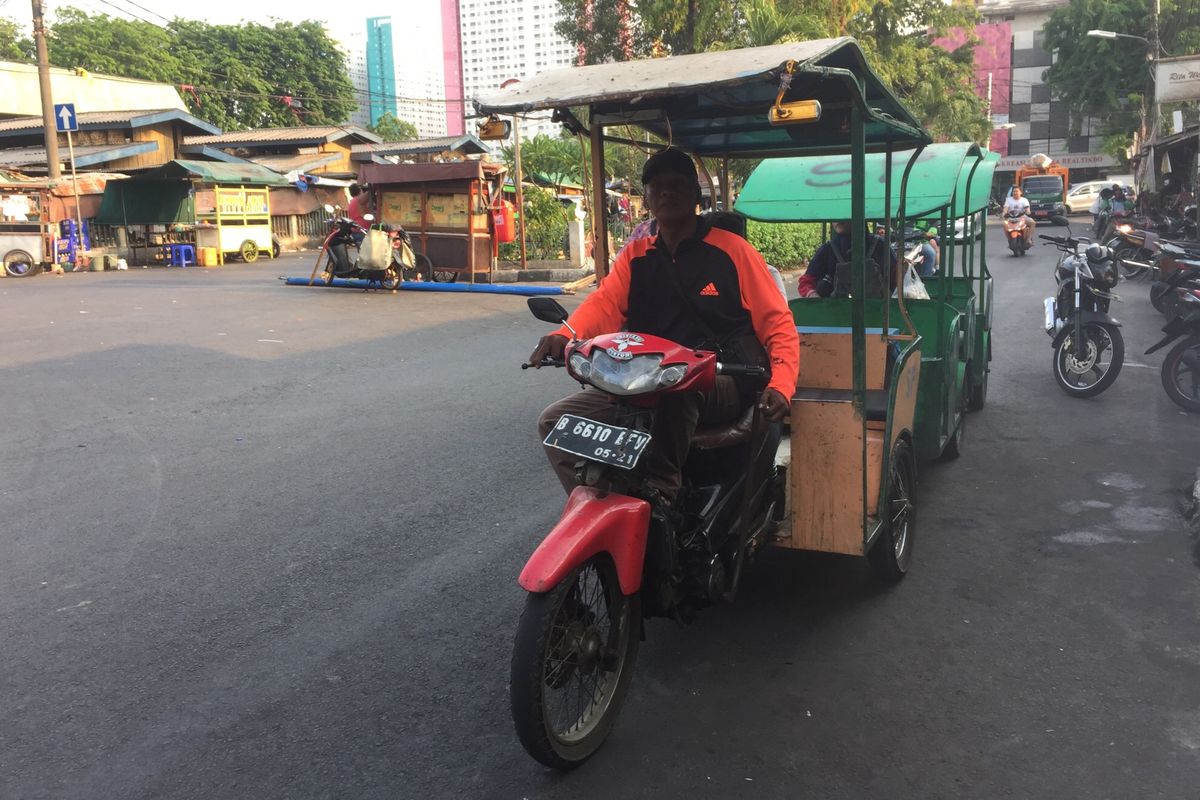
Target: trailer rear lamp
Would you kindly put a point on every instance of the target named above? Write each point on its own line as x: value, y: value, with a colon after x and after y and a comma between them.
x: 795, y: 112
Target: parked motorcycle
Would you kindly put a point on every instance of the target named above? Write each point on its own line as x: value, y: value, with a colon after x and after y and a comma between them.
x: 618, y: 555
x: 1133, y: 248
x: 1171, y: 265
x: 1181, y: 367
x: 343, y: 250
x: 1088, y: 347
x: 1014, y: 232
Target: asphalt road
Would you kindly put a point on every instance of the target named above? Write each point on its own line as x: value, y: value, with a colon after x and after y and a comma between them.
x: 262, y: 542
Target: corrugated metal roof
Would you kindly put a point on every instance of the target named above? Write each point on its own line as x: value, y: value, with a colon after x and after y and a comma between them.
x: 716, y: 103
x: 103, y: 119
x: 466, y: 143
x: 215, y: 172
x: 305, y: 134
x: 285, y: 163
x: 379, y: 174
x: 85, y: 155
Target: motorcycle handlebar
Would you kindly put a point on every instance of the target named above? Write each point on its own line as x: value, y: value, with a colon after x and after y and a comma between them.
x: 741, y: 370
x: 547, y: 362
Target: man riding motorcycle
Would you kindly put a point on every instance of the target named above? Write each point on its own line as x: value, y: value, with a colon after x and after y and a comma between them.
x: 695, y: 284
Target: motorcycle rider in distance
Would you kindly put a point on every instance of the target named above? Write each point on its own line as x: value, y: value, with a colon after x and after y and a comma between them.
x: 697, y: 285
x: 1018, y: 205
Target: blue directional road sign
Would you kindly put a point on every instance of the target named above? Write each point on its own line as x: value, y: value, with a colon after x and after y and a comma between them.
x: 64, y: 117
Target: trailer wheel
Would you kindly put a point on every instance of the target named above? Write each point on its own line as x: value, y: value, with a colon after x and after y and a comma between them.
x: 892, y: 550
x: 248, y: 251
x: 19, y: 264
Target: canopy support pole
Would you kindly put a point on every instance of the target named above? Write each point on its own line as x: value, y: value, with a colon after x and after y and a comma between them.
x: 599, y: 204
x: 912, y: 160
x: 726, y: 189
x: 888, y: 236
x: 858, y: 287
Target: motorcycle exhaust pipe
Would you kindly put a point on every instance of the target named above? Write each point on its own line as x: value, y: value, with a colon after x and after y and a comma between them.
x: 1129, y: 262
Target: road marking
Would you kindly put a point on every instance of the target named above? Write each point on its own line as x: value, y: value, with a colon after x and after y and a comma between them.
x: 272, y: 341
x: 80, y: 604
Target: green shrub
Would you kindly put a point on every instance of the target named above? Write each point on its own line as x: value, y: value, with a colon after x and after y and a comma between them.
x: 545, y: 227
x: 785, y: 245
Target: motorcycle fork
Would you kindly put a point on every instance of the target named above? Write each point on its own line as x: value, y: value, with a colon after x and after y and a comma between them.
x: 1080, y: 345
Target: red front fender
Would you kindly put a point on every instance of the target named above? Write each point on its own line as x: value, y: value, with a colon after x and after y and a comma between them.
x: 590, y: 523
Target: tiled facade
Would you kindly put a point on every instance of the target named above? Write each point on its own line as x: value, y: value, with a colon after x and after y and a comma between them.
x: 1041, y: 124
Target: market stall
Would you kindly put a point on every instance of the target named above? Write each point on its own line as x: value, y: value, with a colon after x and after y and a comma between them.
x: 26, y: 235
x: 444, y: 207
x: 205, y: 204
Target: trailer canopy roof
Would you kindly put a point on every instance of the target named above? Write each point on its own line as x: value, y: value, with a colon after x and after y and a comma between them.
x: 815, y: 189
x: 716, y: 103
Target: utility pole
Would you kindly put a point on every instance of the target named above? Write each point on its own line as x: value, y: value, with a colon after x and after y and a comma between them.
x: 1154, y: 50
x: 49, y: 129
x: 991, y: 126
x: 519, y: 179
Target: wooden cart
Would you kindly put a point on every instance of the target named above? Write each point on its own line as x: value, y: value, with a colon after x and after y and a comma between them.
x: 445, y: 209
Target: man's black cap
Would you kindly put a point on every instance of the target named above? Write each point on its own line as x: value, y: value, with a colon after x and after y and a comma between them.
x: 669, y: 160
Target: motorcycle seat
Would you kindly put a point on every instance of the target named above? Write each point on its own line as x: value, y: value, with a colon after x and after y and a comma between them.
x: 725, y: 434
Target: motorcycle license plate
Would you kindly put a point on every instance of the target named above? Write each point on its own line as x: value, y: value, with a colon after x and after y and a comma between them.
x: 598, y: 441
x: 1041, y: 213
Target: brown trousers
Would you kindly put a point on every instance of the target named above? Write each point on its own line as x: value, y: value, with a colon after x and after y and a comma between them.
x: 678, y: 416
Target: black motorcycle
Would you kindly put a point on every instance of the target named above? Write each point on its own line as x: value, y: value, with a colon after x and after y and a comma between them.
x: 1181, y: 368
x: 1088, y: 347
x: 343, y: 248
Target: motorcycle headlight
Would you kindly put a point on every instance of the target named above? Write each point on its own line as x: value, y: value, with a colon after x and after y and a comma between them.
x: 671, y: 375
x: 1125, y: 228
x: 636, y: 375
x: 580, y: 367
x: 1085, y: 270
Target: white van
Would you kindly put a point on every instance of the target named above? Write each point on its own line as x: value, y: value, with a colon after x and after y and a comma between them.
x: 1082, y: 195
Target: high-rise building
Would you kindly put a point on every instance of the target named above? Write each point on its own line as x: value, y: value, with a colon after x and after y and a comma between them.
x: 506, y: 39
x: 381, y: 68
x: 1012, y: 58
x: 354, y: 47
x: 397, y: 69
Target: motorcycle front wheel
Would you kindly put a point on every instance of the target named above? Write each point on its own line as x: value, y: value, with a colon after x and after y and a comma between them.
x: 572, y: 664
x: 1181, y: 374
x: 1093, y: 372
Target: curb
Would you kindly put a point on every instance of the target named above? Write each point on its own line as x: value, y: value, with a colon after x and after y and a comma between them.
x: 538, y: 275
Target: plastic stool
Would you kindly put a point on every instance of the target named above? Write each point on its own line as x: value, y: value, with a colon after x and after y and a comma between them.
x: 180, y: 255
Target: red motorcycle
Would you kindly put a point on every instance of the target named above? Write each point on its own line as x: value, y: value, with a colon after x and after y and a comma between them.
x: 1014, y: 232
x: 618, y: 554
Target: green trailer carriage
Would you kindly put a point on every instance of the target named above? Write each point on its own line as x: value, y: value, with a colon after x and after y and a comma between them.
x: 942, y: 184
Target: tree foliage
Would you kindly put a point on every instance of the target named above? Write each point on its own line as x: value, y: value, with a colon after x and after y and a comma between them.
x: 1110, y: 79
x: 393, y: 129
x: 897, y: 35
x: 13, y: 45
x: 244, y: 76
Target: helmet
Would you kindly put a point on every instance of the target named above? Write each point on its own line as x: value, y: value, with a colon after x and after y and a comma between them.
x: 1104, y: 269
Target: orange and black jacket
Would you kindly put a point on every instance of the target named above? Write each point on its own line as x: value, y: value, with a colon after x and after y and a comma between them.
x: 731, y: 292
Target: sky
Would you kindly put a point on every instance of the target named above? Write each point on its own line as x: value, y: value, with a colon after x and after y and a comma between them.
x: 233, y: 11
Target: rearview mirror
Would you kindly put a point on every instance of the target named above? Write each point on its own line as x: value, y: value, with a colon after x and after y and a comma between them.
x: 1060, y: 220
x: 547, y: 309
